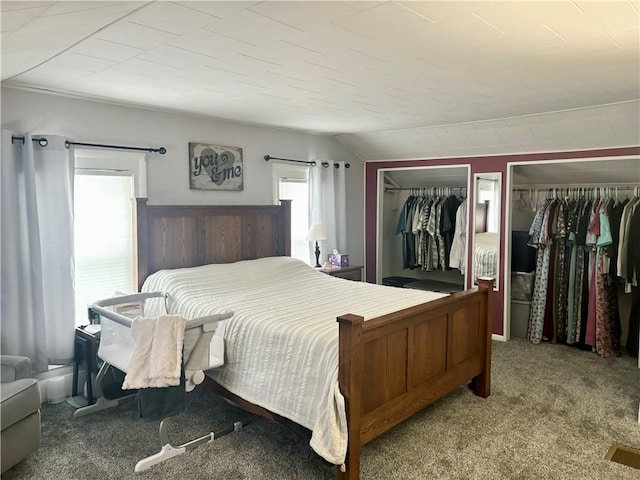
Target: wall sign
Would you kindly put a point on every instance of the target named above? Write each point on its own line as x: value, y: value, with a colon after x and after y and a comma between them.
x: 214, y: 167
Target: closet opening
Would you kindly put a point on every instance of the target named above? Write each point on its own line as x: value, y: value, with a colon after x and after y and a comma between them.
x: 422, y: 227
x: 560, y: 285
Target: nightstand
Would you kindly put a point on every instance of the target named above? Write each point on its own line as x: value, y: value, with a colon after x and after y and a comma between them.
x: 87, y: 342
x: 349, y: 273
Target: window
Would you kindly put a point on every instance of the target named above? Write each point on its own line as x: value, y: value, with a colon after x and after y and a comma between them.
x: 105, y: 183
x: 292, y: 183
x: 103, y: 238
x: 489, y: 191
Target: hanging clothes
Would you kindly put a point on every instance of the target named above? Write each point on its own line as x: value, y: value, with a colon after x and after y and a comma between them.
x: 628, y: 265
x: 458, y: 254
x: 541, y: 278
x: 428, y: 226
x: 402, y: 229
x: 583, y: 246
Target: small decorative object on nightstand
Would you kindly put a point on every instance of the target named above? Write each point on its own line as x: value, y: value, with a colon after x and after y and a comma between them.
x: 316, y: 233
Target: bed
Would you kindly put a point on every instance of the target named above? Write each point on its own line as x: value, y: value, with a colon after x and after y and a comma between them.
x: 380, y: 371
x: 485, y: 255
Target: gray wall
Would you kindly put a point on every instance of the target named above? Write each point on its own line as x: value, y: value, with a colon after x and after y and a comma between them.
x: 167, y: 175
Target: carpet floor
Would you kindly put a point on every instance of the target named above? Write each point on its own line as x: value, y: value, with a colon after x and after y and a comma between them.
x: 553, y: 413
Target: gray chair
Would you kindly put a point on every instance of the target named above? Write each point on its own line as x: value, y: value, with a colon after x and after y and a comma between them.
x: 19, y: 411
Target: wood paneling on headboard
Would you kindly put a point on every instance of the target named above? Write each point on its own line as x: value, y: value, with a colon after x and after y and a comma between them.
x: 481, y: 216
x: 180, y: 236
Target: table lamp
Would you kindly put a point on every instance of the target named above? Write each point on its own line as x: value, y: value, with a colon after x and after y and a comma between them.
x: 316, y: 233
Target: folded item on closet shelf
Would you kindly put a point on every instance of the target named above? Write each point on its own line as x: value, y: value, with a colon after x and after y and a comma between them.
x: 157, y: 352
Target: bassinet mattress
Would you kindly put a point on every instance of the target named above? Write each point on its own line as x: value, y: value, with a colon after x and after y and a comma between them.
x: 486, y: 255
x: 281, y: 344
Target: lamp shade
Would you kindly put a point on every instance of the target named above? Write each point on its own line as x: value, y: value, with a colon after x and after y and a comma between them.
x: 316, y: 232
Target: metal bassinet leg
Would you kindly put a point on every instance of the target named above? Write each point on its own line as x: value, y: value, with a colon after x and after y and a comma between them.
x: 169, y: 451
x: 101, y: 403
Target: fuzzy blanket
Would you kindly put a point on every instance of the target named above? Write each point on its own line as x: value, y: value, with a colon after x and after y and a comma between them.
x: 157, y: 354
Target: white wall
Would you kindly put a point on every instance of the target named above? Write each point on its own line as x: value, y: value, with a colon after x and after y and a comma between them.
x: 168, y: 179
x: 599, y: 126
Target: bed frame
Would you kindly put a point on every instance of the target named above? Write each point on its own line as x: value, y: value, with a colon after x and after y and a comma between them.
x: 390, y: 367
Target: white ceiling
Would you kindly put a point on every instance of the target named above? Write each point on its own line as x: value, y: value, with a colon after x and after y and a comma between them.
x: 427, y: 176
x: 584, y: 172
x: 330, y: 67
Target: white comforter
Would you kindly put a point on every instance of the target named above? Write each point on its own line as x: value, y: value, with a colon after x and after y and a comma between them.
x: 282, y: 342
x: 486, y: 255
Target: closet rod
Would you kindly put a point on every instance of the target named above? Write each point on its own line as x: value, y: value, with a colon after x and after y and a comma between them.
x: 526, y: 188
x: 397, y: 189
x: 43, y: 142
x: 313, y: 163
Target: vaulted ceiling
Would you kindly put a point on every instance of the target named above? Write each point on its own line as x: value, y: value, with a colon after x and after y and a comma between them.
x: 330, y: 67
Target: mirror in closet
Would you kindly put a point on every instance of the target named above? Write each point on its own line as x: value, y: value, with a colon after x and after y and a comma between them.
x: 486, y: 237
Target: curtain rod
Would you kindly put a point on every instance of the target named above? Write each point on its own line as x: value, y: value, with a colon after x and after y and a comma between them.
x: 313, y: 163
x: 43, y: 142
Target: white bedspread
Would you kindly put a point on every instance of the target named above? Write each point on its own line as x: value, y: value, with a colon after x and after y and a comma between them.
x: 486, y: 255
x: 282, y: 342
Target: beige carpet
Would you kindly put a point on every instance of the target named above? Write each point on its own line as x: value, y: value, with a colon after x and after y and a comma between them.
x: 553, y: 414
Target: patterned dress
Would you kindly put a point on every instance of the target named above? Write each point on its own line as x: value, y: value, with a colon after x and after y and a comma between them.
x: 575, y: 288
x: 539, y: 296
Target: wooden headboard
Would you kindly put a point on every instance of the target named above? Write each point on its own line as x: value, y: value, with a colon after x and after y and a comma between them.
x: 481, y: 216
x: 179, y: 236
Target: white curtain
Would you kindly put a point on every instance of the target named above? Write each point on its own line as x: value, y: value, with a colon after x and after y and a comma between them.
x: 327, y: 207
x: 37, y: 301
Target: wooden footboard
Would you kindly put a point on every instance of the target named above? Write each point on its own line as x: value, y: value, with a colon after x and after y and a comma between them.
x: 393, y: 366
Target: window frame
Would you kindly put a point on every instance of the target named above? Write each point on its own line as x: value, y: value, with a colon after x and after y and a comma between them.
x: 115, y: 163
x: 292, y: 173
